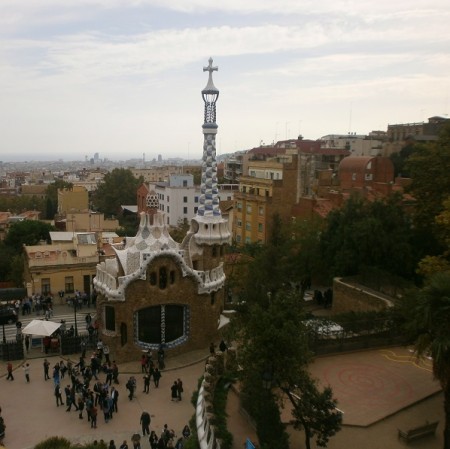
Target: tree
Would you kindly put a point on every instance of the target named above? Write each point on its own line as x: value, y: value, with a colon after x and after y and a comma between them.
x: 27, y: 232
x: 430, y: 187
x: 369, y: 234
x: 274, y: 350
x: 117, y: 188
x: 427, y: 318
x: 51, y: 206
x: 314, y: 411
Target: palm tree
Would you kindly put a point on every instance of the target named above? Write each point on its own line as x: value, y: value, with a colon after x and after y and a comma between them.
x: 428, y: 319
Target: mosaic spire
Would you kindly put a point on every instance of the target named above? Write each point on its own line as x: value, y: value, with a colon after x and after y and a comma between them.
x: 209, y: 197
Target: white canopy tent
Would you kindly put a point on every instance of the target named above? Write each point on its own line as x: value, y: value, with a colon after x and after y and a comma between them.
x: 41, y: 328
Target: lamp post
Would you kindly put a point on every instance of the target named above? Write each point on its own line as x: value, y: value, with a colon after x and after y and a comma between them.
x: 75, y: 305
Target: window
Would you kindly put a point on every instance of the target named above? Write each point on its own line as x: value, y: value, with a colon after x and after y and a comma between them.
x: 162, y: 278
x: 238, y: 238
x: 195, y: 210
x: 161, y: 324
x: 196, y: 199
x: 184, y: 199
x: 168, y: 198
x: 261, y: 210
x: 185, y: 210
x: 239, y: 206
x: 68, y: 284
x: 249, y: 209
x: 248, y: 240
x: 110, y: 318
x: 168, y: 209
x: 239, y: 223
x: 184, y: 183
x: 260, y: 227
x: 248, y: 226
x: 45, y: 286
x: 172, y: 276
x: 213, y: 298
x: 153, y: 278
x: 214, y: 251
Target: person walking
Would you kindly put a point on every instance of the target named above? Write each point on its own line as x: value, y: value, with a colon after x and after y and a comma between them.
x: 115, y: 398
x: 156, y: 377
x: 146, y: 383
x: 81, y: 405
x: 153, y: 440
x: 145, y: 423
x: 93, y: 414
x: 174, y: 391
x: 26, y: 370
x: 179, y: 388
x: 9, y: 369
x: 136, y: 440
x: 46, y: 369
x: 58, y: 395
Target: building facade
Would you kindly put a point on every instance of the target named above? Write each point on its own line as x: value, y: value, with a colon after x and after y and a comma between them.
x: 67, y: 264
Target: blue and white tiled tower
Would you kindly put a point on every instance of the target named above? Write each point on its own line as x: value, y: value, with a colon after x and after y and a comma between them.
x: 209, y: 227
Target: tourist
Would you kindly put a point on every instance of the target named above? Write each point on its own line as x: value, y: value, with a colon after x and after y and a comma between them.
x: 46, y: 369
x: 26, y: 370
x: 153, y: 440
x: 156, y: 377
x: 9, y: 369
x: 186, y: 432
x: 145, y: 423
x: 146, y: 383
x: 112, y: 445
x: 174, y: 391
x: 58, y: 396
x: 179, y: 388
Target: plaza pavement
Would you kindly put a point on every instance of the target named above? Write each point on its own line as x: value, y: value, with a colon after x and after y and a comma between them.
x: 379, y: 392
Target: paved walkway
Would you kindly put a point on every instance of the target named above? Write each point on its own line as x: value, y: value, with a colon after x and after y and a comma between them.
x: 379, y: 392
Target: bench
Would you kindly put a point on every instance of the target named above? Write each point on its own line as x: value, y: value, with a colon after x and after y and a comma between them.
x: 418, y: 432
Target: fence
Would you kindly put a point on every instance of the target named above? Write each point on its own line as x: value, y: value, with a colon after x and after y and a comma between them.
x: 11, y: 350
x: 347, y: 341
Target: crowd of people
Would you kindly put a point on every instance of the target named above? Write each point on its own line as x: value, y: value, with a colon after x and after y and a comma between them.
x: 78, y: 387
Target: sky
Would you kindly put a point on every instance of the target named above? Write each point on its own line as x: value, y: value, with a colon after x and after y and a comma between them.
x: 123, y: 78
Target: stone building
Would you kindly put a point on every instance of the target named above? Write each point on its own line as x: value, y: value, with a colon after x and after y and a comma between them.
x: 158, y: 292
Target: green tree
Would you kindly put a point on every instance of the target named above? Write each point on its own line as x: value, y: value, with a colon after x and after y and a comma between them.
x: 430, y: 187
x: 274, y: 353
x: 314, y: 410
x: 51, y: 205
x: 179, y: 232
x: 27, y: 232
x: 117, y: 188
x: 6, y: 255
x: 427, y: 318
x: 369, y: 234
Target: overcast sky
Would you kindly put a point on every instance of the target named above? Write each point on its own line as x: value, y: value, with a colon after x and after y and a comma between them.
x: 123, y: 77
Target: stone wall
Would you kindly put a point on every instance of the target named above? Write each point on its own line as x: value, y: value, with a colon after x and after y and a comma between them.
x: 352, y: 297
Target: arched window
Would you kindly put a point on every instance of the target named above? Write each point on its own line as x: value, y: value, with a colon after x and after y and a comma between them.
x: 152, y: 278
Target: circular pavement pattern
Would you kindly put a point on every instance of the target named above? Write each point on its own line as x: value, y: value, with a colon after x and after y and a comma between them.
x: 367, y: 384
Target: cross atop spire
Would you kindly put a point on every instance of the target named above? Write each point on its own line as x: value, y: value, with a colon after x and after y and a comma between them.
x: 210, y: 88
x: 210, y: 67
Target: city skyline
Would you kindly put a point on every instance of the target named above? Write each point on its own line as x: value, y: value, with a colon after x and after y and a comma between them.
x: 123, y: 79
